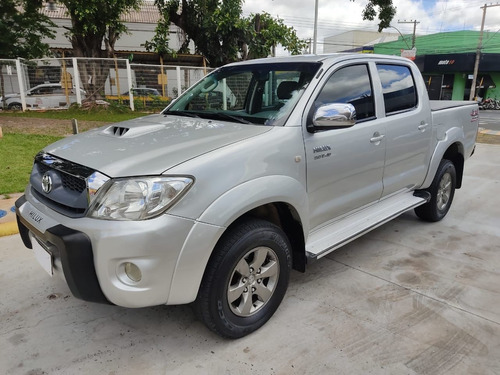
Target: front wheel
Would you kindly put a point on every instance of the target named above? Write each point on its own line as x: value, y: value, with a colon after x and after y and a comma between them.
x: 245, y: 280
x: 15, y: 107
x: 442, y: 191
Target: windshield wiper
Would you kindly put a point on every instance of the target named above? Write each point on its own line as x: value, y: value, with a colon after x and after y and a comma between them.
x: 209, y: 115
x: 225, y: 116
x: 181, y: 113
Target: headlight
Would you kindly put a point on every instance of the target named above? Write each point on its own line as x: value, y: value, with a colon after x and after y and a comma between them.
x: 138, y: 198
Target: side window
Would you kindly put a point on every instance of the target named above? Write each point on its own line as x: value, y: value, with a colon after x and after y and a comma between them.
x: 45, y: 91
x: 350, y: 85
x: 398, y: 87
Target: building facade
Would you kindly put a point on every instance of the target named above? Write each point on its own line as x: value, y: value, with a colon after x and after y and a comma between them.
x: 141, y: 25
x: 447, y: 60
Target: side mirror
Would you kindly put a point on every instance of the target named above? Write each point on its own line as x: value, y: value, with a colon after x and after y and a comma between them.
x: 334, y: 116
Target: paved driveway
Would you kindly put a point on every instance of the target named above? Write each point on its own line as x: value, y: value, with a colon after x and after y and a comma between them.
x: 490, y: 119
x: 408, y: 298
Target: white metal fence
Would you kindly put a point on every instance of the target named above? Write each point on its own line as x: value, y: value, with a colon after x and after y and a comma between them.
x: 58, y: 83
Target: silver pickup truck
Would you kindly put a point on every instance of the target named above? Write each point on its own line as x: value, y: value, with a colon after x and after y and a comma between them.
x: 261, y: 167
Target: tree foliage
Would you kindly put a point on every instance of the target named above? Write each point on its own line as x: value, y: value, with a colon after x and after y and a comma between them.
x: 385, y: 9
x: 23, y: 28
x: 220, y: 33
x: 96, y: 22
x: 95, y: 27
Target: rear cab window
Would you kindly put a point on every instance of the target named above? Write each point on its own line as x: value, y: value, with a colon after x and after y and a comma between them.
x: 398, y: 87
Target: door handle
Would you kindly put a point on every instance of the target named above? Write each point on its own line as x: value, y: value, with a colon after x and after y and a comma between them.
x: 377, y: 138
x: 423, y: 126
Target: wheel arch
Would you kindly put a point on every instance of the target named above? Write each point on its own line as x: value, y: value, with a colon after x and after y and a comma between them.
x: 453, y: 152
x: 280, y: 200
x: 287, y: 218
x: 14, y: 105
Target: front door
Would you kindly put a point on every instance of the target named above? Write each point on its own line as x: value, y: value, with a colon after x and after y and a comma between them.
x: 345, y: 166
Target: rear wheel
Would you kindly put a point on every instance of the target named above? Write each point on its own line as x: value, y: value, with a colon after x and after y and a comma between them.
x: 246, y: 279
x: 442, y: 191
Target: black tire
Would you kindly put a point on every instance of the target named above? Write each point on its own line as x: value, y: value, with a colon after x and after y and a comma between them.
x: 251, y: 263
x: 15, y: 106
x: 442, y: 191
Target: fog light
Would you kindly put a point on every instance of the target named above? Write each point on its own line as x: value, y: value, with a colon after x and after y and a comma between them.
x: 133, y: 272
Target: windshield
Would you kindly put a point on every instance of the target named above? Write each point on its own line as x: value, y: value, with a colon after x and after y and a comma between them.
x: 262, y: 94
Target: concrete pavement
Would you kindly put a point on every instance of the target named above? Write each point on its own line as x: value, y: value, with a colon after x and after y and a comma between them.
x: 408, y: 298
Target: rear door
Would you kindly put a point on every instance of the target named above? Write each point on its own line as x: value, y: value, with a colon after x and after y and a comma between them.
x: 344, y: 166
x: 408, y: 127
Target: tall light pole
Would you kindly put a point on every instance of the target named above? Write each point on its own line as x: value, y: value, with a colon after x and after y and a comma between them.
x: 402, y: 36
x: 315, y: 37
x: 472, y: 94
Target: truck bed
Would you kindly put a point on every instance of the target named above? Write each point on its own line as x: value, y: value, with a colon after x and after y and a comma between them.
x: 438, y: 105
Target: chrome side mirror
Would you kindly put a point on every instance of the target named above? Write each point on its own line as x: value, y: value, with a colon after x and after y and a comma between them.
x: 335, y: 115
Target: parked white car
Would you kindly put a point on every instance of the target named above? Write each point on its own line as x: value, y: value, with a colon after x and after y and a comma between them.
x: 46, y: 95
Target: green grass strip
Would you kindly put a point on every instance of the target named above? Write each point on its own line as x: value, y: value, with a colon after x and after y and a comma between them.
x: 17, y: 152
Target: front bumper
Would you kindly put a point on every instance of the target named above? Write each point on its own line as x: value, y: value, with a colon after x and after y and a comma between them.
x: 74, y: 251
x: 90, y: 254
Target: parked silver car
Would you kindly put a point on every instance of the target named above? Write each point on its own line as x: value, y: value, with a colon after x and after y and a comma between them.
x: 46, y: 95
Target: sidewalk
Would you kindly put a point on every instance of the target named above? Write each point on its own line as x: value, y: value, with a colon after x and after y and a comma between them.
x: 8, y: 224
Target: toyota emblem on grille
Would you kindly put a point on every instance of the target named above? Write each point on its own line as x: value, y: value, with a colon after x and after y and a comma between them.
x: 46, y: 183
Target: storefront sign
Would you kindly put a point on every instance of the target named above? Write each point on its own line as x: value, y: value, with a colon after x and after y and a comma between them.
x: 449, y: 63
x: 409, y: 53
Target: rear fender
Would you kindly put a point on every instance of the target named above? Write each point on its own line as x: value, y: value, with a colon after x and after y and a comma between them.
x: 445, y: 141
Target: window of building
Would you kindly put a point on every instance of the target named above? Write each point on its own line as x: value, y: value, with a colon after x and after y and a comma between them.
x: 398, y: 88
x: 350, y: 85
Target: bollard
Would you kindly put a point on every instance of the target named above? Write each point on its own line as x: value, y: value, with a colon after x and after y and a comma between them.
x: 1, y: 133
x: 74, y: 122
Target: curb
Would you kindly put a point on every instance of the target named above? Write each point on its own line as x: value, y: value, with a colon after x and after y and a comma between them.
x: 8, y: 229
x: 490, y: 132
x: 8, y: 221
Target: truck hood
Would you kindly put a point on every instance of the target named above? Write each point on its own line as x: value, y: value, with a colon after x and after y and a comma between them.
x: 150, y: 145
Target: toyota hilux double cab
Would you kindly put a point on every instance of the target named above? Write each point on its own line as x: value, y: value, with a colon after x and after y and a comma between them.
x: 260, y: 167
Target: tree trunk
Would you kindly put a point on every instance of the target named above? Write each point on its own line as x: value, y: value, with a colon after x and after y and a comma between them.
x: 93, y: 71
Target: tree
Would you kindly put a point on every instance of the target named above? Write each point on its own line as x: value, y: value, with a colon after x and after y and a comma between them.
x: 94, y: 24
x: 266, y: 32
x: 22, y: 30
x: 386, y: 12
x: 219, y: 31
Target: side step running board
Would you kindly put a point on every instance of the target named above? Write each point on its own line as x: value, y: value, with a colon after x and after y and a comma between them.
x: 329, y: 238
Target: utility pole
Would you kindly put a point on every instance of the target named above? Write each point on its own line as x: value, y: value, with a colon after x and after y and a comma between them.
x: 415, y: 23
x: 472, y: 95
x: 315, y: 37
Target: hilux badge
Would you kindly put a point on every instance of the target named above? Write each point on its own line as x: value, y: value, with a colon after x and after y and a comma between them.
x: 46, y: 183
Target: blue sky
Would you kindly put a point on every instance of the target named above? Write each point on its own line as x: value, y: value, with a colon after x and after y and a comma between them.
x: 337, y: 16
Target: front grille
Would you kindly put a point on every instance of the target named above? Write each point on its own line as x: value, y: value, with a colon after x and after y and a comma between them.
x: 42, y: 168
x: 73, y: 183
x: 61, y: 208
x: 68, y: 185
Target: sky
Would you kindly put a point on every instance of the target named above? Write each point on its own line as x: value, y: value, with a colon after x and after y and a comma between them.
x: 337, y: 16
